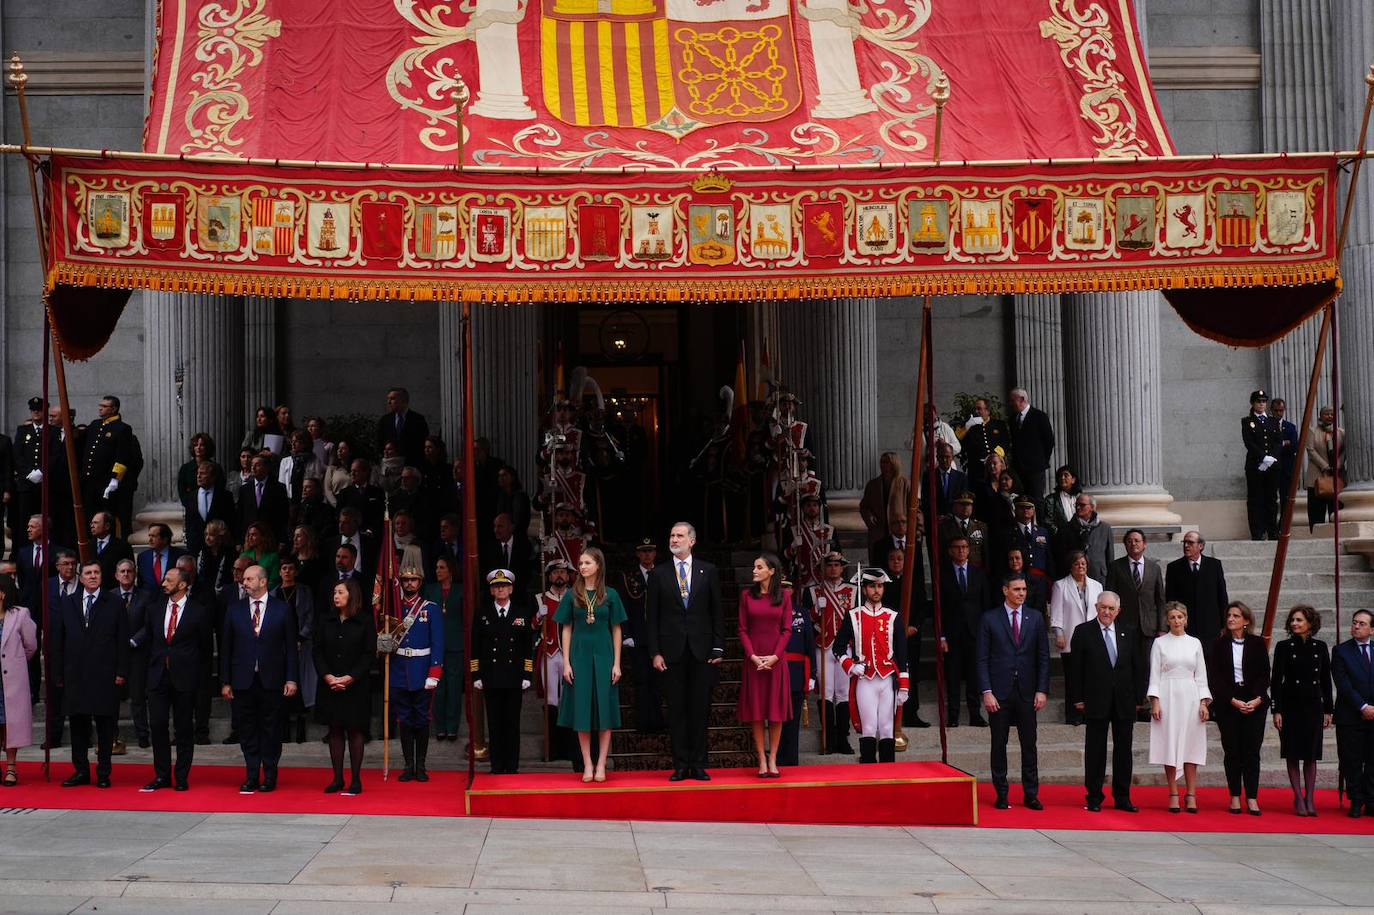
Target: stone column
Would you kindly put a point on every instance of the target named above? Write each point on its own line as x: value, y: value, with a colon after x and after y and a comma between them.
x: 192, y: 382
x: 1039, y: 361
x: 450, y: 425
x: 259, y: 359
x: 829, y: 360
x: 1297, y: 114
x: 1354, y: 39
x: 1115, y: 417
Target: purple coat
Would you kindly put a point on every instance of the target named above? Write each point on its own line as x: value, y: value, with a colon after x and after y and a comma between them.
x: 17, y: 645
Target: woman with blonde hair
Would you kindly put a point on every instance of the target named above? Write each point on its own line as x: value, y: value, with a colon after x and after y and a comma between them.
x: 590, y: 617
x: 1179, y: 705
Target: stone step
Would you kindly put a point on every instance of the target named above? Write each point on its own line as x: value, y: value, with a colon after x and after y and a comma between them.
x: 1230, y: 549
x: 1265, y: 564
x: 1298, y: 581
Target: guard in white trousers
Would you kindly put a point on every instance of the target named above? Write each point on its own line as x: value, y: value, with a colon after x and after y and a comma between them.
x: 558, y: 575
x: 871, y: 648
x: 830, y: 601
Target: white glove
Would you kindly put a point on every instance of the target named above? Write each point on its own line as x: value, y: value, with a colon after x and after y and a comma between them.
x: 110, y: 490
x: 35, y: 476
x: 628, y: 643
x: 476, y: 684
x: 974, y: 420
x: 431, y: 683
x: 857, y: 670
x: 810, y: 686
x: 1269, y: 461
x: 901, y: 697
x: 524, y: 684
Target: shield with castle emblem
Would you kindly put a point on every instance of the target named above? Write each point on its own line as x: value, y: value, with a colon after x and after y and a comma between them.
x: 669, y: 65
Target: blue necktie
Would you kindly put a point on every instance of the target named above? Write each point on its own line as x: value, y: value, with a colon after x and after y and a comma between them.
x: 963, y: 582
x: 86, y: 618
x: 1111, y: 645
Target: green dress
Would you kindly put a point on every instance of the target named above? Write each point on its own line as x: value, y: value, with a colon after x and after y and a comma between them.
x: 591, y: 702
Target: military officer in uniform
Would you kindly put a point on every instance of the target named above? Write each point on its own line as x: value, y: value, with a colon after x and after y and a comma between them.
x: 549, y: 658
x: 800, y: 656
x: 415, y: 671
x: 1263, y: 438
x: 828, y: 601
x: 963, y: 524
x: 871, y: 649
x: 502, y: 665
x: 110, y: 462
x: 29, y: 470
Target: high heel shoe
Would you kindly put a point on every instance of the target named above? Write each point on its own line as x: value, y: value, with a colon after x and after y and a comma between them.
x: 1299, y: 807
x: 1235, y: 807
x: 1252, y: 808
x: 334, y: 787
x: 1173, y: 804
x: 1190, y: 802
x: 599, y: 777
x: 586, y: 777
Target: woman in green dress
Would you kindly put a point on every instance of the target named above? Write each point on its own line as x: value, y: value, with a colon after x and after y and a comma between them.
x: 589, y: 619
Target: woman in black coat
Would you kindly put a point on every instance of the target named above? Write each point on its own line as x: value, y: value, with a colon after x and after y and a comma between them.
x: 1301, y: 693
x: 345, y: 645
x: 1238, y: 676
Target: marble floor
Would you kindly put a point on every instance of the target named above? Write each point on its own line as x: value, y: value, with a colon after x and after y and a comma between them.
x: 72, y: 861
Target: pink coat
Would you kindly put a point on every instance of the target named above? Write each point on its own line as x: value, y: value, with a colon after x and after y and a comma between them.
x: 17, y: 644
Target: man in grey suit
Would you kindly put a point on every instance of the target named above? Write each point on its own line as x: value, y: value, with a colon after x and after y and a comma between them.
x: 1139, y: 582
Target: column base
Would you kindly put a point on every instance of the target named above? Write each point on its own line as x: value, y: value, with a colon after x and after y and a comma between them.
x: 169, y: 513
x: 502, y: 107
x: 839, y: 105
x: 1357, y: 504
x: 844, y: 512
x: 1137, y: 509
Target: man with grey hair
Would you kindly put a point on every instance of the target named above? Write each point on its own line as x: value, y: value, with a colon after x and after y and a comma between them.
x: 683, y: 634
x: 1032, y: 443
x: 1105, y: 686
x: 1087, y: 533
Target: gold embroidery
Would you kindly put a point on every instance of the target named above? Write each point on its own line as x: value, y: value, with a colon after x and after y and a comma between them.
x: 1084, y: 36
x: 733, y: 72
x: 230, y: 42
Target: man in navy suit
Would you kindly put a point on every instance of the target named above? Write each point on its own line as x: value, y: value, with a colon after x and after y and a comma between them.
x: 160, y: 556
x: 1032, y: 444
x: 210, y: 502
x: 109, y: 549
x: 177, y: 636
x: 1352, y: 670
x: 683, y: 634
x: 258, y: 666
x: 964, y: 594
x: 949, y: 480
x: 1014, y: 675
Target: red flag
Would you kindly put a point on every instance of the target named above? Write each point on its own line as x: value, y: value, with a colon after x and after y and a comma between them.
x: 383, y: 229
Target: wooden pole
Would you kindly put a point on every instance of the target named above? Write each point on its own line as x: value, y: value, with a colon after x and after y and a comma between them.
x: 927, y: 335
x: 44, y: 446
x: 461, y: 96
x: 939, y: 94
x: 19, y: 81
x: 913, y: 507
x: 1336, y: 458
x: 470, y: 570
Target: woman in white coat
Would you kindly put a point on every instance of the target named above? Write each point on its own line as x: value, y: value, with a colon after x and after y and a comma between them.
x: 1072, y: 601
x: 1179, y: 701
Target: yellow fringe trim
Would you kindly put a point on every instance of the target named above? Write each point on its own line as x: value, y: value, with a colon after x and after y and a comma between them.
x: 665, y: 289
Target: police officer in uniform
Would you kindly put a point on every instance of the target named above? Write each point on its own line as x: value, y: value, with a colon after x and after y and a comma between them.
x: 1263, y: 438
x: 29, y: 472
x: 502, y: 665
x: 110, y: 462
x: 415, y: 671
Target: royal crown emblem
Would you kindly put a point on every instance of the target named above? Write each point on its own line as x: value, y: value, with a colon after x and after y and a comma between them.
x: 712, y: 183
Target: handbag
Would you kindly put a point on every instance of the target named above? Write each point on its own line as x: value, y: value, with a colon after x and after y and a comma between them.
x: 1325, y: 487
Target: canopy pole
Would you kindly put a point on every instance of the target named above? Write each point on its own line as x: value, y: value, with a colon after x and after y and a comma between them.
x: 927, y: 336
x: 45, y: 440
x: 461, y: 96
x: 939, y: 94
x: 913, y: 518
x: 1336, y: 458
x: 19, y: 81
x: 470, y: 570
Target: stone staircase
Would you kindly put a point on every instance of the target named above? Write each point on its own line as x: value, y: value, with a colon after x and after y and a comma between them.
x: 1309, y: 578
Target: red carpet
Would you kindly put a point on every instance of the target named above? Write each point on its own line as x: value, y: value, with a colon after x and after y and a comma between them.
x: 215, y: 789
x: 897, y: 794
x: 1064, y: 809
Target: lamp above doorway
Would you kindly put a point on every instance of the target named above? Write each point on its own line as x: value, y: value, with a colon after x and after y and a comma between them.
x: 624, y: 336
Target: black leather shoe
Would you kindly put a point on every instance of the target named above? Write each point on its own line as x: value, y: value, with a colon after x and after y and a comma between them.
x: 1355, y: 811
x: 249, y: 787
x: 679, y: 775
x: 202, y: 741
x: 183, y: 786
x: 1093, y: 806
x: 156, y: 784
x: 334, y: 787
x: 700, y: 775
x: 1002, y: 804
x: 951, y: 724
x: 979, y: 722
x: 1033, y: 803
x: 103, y: 782
x: 354, y: 789
x: 1126, y: 807
x: 268, y: 786
x: 421, y: 775
x: 408, y: 775
x: 76, y: 781
x: 233, y: 738
x: 144, y: 743
x: 917, y: 722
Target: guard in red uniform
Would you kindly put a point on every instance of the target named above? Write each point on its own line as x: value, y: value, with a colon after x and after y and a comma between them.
x: 871, y: 648
x: 548, y: 663
x: 829, y: 602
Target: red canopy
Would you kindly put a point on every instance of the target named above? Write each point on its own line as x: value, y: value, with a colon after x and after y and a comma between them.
x: 658, y: 83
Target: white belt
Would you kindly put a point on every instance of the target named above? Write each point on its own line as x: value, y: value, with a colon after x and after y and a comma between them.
x: 412, y: 652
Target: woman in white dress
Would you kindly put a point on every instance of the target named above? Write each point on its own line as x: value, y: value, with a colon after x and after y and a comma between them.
x: 1073, y: 601
x: 1179, y: 700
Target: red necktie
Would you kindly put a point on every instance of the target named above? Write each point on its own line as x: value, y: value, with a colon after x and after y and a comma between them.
x: 1016, y: 627
x: 171, y: 631
x: 157, y: 567
x: 257, y: 617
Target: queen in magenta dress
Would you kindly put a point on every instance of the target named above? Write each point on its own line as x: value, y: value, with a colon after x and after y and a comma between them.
x: 765, y: 629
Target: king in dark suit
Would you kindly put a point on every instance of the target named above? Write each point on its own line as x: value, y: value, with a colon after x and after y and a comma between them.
x: 1014, y: 677
x: 1352, y: 670
x: 682, y: 629
x: 178, y: 642
x: 90, y: 650
x: 1105, y: 687
x: 259, y: 664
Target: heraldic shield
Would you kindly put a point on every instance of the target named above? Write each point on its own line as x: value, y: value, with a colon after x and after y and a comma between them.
x: 669, y: 65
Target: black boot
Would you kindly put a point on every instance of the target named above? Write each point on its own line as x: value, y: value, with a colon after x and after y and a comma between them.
x: 887, y: 749
x: 868, y: 749
x: 841, y: 732
x: 421, y: 750
x: 828, y: 716
x: 300, y: 729
x: 408, y: 751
